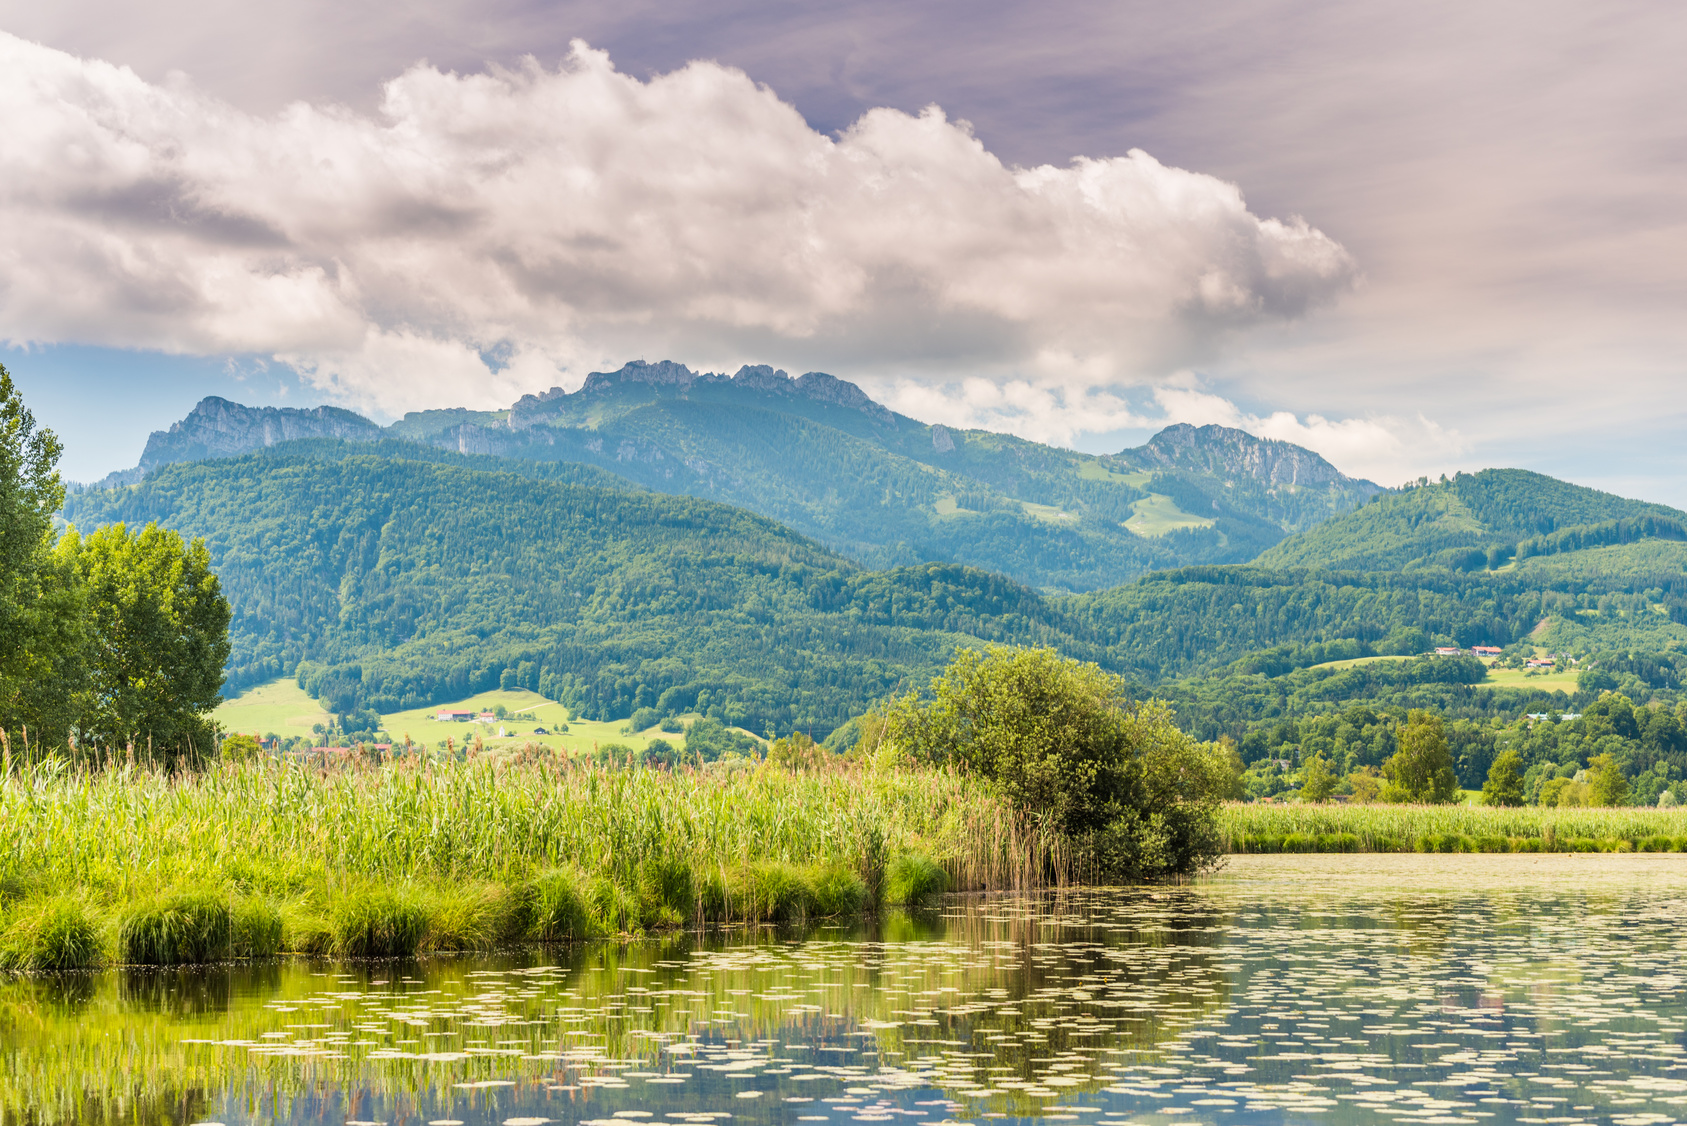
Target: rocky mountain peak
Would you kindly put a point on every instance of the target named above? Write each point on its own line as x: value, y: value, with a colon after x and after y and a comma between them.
x: 218, y: 428
x: 1225, y: 451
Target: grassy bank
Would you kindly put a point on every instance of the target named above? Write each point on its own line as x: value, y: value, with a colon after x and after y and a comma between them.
x: 254, y: 859
x: 1269, y: 827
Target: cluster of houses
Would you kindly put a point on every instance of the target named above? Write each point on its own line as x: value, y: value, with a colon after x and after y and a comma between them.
x: 1493, y: 651
x: 451, y: 715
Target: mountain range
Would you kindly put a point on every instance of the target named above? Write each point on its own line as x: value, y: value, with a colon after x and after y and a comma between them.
x: 782, y: 552
x: 818, y: 455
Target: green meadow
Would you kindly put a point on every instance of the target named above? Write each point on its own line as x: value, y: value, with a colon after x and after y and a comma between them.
x: 281, y: 707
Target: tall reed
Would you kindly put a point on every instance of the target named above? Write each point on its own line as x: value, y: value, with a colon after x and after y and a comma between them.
x: 1336, y: 827
x: 413, y: 855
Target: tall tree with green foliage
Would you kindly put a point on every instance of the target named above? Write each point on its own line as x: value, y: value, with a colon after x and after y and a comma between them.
x: 1133, y: 795
x: 40, y: 609
x: 157, y: 626
x: 1605, y: 781
x: 1504, y: 785
x: 1422, y: 769
x: 1317, y: 781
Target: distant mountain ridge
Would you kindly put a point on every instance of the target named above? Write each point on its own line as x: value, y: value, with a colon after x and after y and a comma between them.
x: 820, y: 455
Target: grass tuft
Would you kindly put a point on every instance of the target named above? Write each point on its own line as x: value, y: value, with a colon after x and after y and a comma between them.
x: 914, y: 879
x: 176, y: 928
x: 57, y: 933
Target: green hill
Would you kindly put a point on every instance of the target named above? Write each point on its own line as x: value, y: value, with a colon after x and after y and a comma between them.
x: 1479, y: 521
x: 393, y: 576
x: 818, y: 455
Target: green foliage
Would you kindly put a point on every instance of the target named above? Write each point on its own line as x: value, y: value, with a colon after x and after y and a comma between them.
x: 1504, y: 784
x: 1605, y: 780
x: 1317, y: 783
x: 241, y: 748
x: 1421, y: 771
x: 1059, y: 740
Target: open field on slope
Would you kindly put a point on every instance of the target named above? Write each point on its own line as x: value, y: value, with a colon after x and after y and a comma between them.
x: 280, y: 707
x: 1156, y: 515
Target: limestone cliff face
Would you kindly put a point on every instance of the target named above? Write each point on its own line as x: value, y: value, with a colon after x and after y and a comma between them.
x: 1224, y: 452
x: 219, y: 428
x: 531, y: 410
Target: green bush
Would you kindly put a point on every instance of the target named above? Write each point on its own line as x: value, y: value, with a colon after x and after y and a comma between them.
x: 1136, y: 797
x: 57, y: 933
x: 475, y: 916
x: 914, y: 879
x: 177, y: 928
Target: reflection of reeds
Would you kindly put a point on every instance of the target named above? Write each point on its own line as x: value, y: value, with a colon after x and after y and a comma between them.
x: 1271, y: 827
x: 250, y: 858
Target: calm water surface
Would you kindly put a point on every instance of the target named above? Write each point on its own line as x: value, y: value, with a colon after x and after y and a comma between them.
x: 1477, y: 991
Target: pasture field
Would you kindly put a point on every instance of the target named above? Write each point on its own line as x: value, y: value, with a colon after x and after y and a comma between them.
x: 279, y: 707
x: 1553, y: 680
x: 1156, y: 515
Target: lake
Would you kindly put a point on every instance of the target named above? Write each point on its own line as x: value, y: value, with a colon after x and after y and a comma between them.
x: 1476, y: 990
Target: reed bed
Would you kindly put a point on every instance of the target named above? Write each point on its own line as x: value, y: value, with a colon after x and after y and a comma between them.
x: 247, y: 860
x: 1335, y: 827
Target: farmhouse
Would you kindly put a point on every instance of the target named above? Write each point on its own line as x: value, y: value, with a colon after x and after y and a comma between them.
x: 447, y: 715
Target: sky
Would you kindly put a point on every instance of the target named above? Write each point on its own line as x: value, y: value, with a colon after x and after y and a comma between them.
x: 1417, y: 238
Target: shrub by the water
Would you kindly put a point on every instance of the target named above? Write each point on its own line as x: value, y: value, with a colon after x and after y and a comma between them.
x: 1130, y: 794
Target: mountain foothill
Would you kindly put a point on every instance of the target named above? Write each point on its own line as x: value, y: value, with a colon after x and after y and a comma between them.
x: 781, y: 553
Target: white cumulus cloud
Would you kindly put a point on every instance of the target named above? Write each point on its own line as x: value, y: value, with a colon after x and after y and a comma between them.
x: 486, y: 234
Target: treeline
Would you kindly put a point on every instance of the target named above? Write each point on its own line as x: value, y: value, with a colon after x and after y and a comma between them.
x: 111, y: 643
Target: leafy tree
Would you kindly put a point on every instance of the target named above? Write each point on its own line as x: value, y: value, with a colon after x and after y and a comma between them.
x: 1134, y: 795
x: 1422, y: 769
x: 241, y: 748
x: 1605, y: 781
x: 158, y: 637
x: 1316, y: 780
x: 40, y: 609
x: 1504, y: 785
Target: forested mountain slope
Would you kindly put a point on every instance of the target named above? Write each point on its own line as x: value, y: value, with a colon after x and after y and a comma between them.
x: 1476, y: 521
x: 400, y: 575
x: 394, y: 576
x: 819, y: 455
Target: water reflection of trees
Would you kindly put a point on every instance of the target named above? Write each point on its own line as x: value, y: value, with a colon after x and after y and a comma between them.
x: 1015, y: 990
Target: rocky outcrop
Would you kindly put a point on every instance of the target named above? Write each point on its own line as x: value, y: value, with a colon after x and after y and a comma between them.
x: 219, y: 428
x: 1226, y: 452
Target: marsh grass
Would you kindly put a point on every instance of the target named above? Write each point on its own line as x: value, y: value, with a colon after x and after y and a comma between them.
x: 1263, y: 827
x: 250, y: 859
